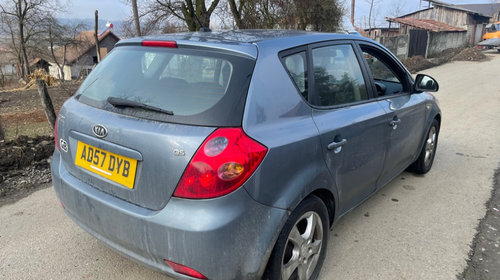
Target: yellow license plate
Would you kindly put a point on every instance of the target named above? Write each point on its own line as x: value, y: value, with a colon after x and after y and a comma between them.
x: 117, y: 168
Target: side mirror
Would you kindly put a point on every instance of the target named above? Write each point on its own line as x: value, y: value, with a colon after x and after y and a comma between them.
x: 425, y: 83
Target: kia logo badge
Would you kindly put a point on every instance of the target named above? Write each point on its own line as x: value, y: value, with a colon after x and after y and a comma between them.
x: 100, y: 131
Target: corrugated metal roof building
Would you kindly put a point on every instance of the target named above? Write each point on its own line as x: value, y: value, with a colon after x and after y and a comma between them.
x: 444, y: 26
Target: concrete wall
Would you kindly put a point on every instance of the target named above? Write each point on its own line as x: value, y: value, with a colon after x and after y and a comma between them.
x: 398, y: 45
x: 440, y: 41
x: 437, y: 42
x: 54, y: 71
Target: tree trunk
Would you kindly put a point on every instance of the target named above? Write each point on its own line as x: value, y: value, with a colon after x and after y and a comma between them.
x: 46, y: 102
x: 136, y: 18
x: 22, y: 44
x: 361, y: 31
x: 236, y: 13
x: 97, y: 38
x: 63, y: 63
x: 370, y: 18
x: 51, y: 46
x: 2, y: 132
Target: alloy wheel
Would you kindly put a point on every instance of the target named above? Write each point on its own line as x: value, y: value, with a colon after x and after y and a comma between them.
x: 303, y: 247
x: 430, y: 146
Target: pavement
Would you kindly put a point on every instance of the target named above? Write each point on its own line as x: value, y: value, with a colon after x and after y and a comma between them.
x: 417, y: 227
x: 484, y: 260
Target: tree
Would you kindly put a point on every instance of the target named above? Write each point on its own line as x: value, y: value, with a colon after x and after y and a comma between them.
x: 22, y: 19
x: 254, y: 14
x: 318, y: 15
x: 153, y: 18
x: 193, y: 12
x: 373, y: 5
x: 397, y: 8
x: 61, y: 38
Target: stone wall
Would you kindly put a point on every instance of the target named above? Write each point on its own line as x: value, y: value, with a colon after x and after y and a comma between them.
x: 440, y: 41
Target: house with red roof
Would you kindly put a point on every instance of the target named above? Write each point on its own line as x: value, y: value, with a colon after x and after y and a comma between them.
x: 81, y: 57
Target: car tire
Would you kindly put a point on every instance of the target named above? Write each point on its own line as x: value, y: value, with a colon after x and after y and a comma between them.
x: 424, y: 161
x: 300, y: 249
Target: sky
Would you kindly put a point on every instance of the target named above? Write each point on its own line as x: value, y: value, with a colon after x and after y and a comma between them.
x: 84, y: 9
x: 119, y: 10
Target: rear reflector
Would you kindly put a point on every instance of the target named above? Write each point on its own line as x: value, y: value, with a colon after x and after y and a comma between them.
x: 179, y: 268
x: 163, y: 44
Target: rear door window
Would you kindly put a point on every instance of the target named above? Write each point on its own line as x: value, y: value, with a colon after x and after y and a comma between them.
x: 338, y: 78
x: 189, y: 83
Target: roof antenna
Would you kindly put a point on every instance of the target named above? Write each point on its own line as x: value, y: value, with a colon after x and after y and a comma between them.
x: 202, y: 28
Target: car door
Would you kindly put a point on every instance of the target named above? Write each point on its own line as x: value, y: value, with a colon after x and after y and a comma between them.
x: 405, y: 110
x: 350, y: 123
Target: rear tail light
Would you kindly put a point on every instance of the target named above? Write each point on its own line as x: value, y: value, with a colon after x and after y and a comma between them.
x: 164, y: 44
x: 56, y: 139
x: 182, y: 269
x: 225, y: 160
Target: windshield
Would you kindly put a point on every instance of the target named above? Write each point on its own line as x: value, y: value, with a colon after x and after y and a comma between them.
x: 190, y: 83
x: 493, y: 27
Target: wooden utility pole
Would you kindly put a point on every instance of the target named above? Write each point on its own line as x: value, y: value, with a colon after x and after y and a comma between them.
x: 97, y: 38
x: 46, y: 102
x: 136, y: 18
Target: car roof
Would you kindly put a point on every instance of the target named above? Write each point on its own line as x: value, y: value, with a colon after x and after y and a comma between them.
x: 244, y: 41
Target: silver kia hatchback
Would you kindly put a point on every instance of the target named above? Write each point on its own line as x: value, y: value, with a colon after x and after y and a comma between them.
x: 229, y: 155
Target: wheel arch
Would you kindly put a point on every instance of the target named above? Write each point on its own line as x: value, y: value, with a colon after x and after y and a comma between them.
x: 437, y: 117
x: 329, y: 200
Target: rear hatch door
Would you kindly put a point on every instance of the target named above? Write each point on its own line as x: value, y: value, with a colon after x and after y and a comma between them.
x: 139, y: 117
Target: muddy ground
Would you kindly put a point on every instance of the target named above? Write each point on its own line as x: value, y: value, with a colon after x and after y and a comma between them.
x: 24, y: 166
x: 28, y: 144
x: 419, y: 63
x: 21, y: 111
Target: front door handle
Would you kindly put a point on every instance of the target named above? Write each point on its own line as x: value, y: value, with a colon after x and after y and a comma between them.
x: 335, y: 145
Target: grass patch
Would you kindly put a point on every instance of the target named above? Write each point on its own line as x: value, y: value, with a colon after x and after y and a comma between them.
x: 29, y: 129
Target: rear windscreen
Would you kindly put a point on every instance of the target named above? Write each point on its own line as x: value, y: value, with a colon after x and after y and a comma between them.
x: 200, y: 86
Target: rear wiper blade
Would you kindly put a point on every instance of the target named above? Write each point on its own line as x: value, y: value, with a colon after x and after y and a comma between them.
x: 122, y: 102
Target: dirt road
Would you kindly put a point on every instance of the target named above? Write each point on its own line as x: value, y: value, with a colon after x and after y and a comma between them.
x: 415, y: 228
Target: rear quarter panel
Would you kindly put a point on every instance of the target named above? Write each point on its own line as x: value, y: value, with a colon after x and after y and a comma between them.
x: 276, y: 116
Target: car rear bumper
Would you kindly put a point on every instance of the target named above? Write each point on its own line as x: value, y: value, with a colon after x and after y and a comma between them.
x: 230, y: 237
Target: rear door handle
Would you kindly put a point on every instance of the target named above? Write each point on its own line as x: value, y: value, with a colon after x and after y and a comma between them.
x: 335, y: 145
x: 394, y: 122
